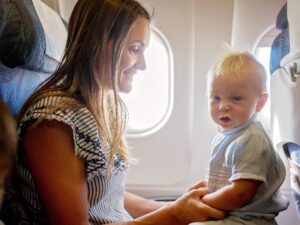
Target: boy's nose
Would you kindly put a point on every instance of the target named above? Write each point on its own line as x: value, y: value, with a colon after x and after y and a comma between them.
x: 224, y: 106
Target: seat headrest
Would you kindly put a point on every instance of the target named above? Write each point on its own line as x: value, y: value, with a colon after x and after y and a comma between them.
x: 282, y: 20
x: 292, y: 151
x: 22, y: 40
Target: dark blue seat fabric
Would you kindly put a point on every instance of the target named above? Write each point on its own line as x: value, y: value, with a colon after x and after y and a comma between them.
x: 292, y: 152
x: 24, y: 63
x: 17, y: 84
x: 282, y: 20
x: 22, y: 40
x: 279, y: 49
x: 281, y: 44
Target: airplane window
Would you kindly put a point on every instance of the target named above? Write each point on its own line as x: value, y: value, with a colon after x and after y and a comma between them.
x: 150, y: 101
x: 262, y: 54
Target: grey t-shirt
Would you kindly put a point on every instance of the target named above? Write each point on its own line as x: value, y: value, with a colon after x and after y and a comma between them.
x: 247, y: 152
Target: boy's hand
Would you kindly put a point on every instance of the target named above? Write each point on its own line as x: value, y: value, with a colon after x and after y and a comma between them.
x: 200, y: 184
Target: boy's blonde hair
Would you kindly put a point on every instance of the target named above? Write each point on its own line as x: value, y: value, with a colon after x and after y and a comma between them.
x: 236, y: 64
x: 8, y: 139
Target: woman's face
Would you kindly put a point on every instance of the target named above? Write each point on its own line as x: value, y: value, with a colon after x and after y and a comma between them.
x: 132, y: 56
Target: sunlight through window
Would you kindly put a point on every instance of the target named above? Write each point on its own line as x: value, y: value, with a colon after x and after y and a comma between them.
x: 262, y: 54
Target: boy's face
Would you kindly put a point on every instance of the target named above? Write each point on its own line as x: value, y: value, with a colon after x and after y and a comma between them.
x: 233, y: 101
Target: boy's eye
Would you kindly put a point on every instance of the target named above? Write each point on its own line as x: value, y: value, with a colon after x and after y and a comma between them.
x: 215, y: 98
x: 236, y: 98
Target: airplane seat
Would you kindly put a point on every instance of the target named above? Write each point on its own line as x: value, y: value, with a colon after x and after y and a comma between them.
x: 292, y: 151
x: 280, y: 46
x: 30, y: 48
x: 32, y: 40
x: 285, y: 91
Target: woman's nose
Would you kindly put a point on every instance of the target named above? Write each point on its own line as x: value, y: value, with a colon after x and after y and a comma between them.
x: 141, y: 62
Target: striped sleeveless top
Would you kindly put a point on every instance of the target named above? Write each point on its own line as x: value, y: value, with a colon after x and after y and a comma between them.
x: 105, y: 193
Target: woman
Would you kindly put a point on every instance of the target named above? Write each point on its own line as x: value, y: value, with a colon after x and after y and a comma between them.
x: 73, y: 159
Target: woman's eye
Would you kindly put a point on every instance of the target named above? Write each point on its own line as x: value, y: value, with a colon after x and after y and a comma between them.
x: 134, y: 49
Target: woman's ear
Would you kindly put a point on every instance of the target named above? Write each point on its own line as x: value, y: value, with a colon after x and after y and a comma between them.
x: 261, y: 102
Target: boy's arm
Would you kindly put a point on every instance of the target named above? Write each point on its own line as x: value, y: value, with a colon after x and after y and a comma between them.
x: 237, y: 194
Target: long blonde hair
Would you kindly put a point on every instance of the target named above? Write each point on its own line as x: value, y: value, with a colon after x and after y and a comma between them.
x: 83, y: 73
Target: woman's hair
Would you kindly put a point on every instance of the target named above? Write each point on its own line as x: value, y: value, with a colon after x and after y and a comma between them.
x: 236, y: 64
x: 8, y: 139
x: 86, y: 72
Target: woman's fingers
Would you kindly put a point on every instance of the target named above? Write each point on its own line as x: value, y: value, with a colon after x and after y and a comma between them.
x: 189, y: 208
x: 212, y: 212
x: 206, y: 209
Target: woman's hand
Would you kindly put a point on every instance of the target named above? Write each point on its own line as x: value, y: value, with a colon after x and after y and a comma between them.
x: 189, y: 208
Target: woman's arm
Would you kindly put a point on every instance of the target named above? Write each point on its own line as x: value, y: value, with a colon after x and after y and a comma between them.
x: 138, y: 206
x: 58, y: 174
x: 61, y: 183
x: 233, y: 196
x: 185, y: 210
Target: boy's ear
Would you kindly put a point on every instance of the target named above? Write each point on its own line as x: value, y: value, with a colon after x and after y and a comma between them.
x: 261, y: 102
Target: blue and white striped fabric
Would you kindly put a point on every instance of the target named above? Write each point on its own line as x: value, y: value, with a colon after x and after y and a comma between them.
x: 105, y: 192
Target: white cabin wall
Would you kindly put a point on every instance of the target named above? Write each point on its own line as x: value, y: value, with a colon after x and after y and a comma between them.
x: 251, y: 20
x: 213, y: 25
x: 52, y: 3
x: 63, y: 7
